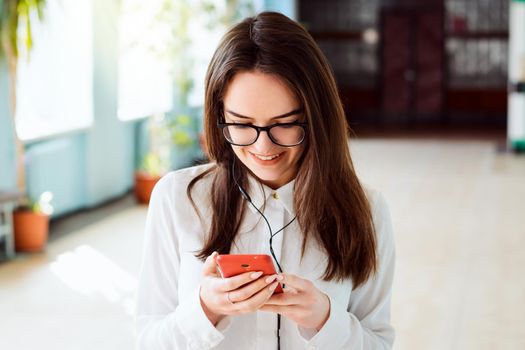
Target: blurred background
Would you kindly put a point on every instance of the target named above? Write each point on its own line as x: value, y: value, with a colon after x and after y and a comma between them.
x: 100, y: 98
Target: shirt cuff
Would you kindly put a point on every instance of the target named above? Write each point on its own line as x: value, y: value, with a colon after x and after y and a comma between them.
x: 333, y: 335
x: 192, y: 321
x: 224, y: 324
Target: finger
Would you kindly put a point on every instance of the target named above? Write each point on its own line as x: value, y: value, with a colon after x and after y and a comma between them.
x: 232, y: 283
x: 284, y: 299
x: 277, y: 309
x: 210, y: 266
x: 296, y: 282
x: 250, y: 289
x: 290, y: 290
x: 257, y: 300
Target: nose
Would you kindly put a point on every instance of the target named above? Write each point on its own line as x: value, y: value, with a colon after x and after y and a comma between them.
x: 263, y: 144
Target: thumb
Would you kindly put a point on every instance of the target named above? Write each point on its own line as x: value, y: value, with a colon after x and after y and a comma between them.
x: 210, y: 266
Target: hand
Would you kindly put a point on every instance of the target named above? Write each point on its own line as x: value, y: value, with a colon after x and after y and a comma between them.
x: 239, y: 294
x: 301, y: 302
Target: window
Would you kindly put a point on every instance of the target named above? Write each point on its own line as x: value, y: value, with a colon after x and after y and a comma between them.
x: 54, y: 92
x: 477, y: 43
x: 145, y: 80
x: 347, y: 33
x: 165, y: 48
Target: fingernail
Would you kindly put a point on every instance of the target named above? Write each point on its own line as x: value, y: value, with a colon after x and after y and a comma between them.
x: 270, y: 279
x: 256, y: 275
x: 273, y: 286
x: 280, y: 277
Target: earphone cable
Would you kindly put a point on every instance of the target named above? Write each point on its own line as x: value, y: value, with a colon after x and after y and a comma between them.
x: 247, y: 197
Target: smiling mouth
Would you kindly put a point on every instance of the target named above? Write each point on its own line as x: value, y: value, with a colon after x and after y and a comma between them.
x: 270, y: 157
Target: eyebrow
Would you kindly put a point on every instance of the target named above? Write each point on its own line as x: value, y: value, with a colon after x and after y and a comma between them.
x: 295, y: 111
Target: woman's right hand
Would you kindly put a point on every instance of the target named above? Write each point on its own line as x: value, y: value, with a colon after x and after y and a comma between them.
x: 235, y: 295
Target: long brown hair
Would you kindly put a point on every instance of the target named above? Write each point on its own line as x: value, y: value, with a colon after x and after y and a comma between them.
x: 330, y: 203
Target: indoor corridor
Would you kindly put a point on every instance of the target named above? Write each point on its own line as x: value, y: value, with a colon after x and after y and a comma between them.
x: 457, y: 208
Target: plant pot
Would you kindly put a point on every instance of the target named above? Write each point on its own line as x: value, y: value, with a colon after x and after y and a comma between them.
x: 144, y: 184
x: 31, y: 230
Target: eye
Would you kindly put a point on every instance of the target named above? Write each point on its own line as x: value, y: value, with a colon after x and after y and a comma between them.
x: 287, y: 125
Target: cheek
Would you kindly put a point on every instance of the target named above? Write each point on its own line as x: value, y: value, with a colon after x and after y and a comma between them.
x: 242, y: 154
x: 296, y: 154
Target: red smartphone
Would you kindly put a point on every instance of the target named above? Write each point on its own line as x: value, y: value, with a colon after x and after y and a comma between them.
x: 235, y: 264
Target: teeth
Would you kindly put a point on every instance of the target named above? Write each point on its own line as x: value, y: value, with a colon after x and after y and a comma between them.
x: 268, y: 157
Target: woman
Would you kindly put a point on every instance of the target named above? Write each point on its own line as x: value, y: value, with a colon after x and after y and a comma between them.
x: 280, y: 167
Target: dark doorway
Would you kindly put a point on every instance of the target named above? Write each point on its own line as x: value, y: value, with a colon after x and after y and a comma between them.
x: 412, y: 64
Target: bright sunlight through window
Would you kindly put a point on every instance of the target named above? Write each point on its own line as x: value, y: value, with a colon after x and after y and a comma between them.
x: 145, y: 83
x: 54, y: 93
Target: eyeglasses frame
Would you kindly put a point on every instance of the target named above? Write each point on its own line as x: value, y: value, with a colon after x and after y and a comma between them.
x: 266, y: 129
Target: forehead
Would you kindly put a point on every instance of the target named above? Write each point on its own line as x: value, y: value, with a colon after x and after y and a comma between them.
x: 259, y: 95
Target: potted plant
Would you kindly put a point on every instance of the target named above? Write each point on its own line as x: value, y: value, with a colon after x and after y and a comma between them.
x: 147, y: 176
x: 174, y: 140
x: 16, y: 14
x: 31, y: 223
x: 155, y: 163
x: 184, y: 140
x: 170, y: 142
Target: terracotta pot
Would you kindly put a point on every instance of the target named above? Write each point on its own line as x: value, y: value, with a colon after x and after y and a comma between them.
x: 144, y: 184
x: 31, y: 230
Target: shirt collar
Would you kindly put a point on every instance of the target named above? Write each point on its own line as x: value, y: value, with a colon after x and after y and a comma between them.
x: 259, y: 192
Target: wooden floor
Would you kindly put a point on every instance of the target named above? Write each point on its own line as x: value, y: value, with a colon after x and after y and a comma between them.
x: 458, y: 207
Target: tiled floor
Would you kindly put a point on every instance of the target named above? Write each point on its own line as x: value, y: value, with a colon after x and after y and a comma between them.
x: 77, y: 294
x: 458, y: 208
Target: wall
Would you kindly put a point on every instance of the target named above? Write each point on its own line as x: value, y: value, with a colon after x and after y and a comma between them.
x: 287, y: 7
x: 7, y: 150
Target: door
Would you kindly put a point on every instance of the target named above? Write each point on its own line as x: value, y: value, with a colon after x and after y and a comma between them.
x: 412, y: 64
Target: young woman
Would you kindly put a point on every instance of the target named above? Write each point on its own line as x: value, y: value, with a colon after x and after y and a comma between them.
x: 280, y: 181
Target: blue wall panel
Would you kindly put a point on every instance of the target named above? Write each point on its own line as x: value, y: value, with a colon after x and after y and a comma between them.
x: 110, y: 150
x: 7, y: 149
x: 57, y: 166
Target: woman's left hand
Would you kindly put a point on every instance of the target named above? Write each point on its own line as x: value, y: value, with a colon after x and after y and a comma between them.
x: 300, y: 302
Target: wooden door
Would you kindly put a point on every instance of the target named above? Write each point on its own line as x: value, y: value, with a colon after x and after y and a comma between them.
x: 412, y: 64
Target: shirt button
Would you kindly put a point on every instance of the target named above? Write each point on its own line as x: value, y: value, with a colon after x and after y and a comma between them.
x: 275, y: 195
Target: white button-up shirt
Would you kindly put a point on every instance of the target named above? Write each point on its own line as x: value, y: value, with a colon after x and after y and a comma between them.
x: 168, y: 310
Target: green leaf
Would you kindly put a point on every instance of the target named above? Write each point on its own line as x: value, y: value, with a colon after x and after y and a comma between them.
x: 10, y: 13
x: 181, y: 138
x: 152, y: 164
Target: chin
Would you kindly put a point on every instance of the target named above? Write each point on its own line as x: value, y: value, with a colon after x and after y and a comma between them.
x: 270, y: 178
x: 266, y: 177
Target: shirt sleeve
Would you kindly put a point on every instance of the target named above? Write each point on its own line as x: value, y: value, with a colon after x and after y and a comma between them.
x: 364, y: 324
x: 162, y: 321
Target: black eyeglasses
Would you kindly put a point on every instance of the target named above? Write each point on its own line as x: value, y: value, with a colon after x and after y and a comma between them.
x: 282, y: 134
